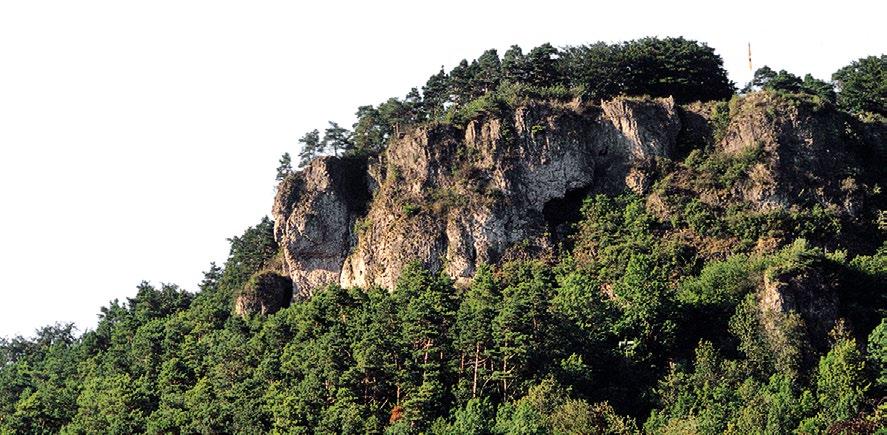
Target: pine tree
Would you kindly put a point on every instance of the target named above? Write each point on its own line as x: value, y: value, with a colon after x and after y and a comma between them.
x: 474, y: 334
x: 311, y: 147
x: 338, y: 139
x: 541, y: 66
x: 461, y: 79
x: 514, y: 68
x: 489, y: 72
x: 435, y: 94
x: 285, y: 168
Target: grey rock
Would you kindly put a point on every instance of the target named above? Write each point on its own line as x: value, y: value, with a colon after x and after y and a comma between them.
x: 455, y: 198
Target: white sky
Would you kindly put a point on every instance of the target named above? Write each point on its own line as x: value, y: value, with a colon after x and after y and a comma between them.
x: 135, y: 137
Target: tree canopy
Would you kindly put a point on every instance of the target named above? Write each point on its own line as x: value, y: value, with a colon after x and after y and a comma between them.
x: 862, y: 85
x: 528, y: 347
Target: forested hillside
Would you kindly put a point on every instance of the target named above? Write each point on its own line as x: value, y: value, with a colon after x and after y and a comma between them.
x: 731, y: 279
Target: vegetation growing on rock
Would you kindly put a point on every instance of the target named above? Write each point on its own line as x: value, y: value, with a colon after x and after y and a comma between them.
x: 715, y: 266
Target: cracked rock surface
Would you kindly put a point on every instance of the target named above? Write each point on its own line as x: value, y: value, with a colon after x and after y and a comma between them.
x: 455, y: 198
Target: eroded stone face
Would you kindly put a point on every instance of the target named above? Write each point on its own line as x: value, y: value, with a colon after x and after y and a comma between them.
x: 314, y: 212
x: 501, y: 187
x: 802, y: 156
x: 805, y: 292
x: 453, y: 199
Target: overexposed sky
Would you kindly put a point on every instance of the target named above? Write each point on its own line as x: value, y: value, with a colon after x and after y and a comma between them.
x: 135, y: 137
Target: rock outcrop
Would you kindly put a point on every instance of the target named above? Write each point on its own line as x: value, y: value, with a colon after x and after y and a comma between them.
x: 505, y: 186
x: 265, y: 293
x: 454, y: 198
x: 804, y: 154
x: 805, y: 292
x: 314, y: 213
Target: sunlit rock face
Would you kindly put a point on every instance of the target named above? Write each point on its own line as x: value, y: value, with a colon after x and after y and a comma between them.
x: 506, y: 186
x: 453, y: 198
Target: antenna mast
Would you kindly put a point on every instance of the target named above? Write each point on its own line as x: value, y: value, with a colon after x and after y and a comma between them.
x: 749, y: 57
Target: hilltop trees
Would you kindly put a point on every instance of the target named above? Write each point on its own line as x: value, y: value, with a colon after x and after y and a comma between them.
x: 596, y: 67
x: 658, y: 67
x: 682, y: 68
x: 489, y: 72
x: 784, y: 81
x: 859, y: 88
x: 678, y: 67
x: 862, y: 85
x: 336, y: 139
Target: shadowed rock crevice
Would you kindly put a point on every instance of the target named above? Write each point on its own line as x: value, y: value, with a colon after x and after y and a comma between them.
x: 561, y: 214
x: 265, y: 293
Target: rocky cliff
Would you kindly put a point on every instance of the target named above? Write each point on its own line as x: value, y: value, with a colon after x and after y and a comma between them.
x: 454, y: 198
x: 505, y: 186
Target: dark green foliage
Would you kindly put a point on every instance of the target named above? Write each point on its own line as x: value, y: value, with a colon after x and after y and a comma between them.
x: 474, y: 335
x: 548, y: 408
x: 840, y: 382
x: 489, y: 72
x: 249, y: 253
x: 461, y: 81
x: 784, y: 81
x: 597, y: 67
x: 766, y: 78
x: 877, y: 352
x: 612, y: 231
x: 820, y: 88
x: 541, y: 66
x: 435, y: 94
x: 718, y: 394
x: 285, y: 168
x: 370, y: 132
x: 514, y: 68
x: 337, y: 139
x: 862, y: 85
x: 722, y: 284
x: 682, y: 68
x: 601, y: 340
x: 311, y: 147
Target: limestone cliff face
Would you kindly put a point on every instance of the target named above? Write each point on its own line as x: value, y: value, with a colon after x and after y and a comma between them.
x: 314, y: 212
x: 504, y: 186
x: 454, y: 198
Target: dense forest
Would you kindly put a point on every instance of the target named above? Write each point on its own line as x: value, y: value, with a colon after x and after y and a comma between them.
x: 627, y: 328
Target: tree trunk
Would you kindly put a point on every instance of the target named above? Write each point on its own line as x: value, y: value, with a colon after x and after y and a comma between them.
x: 476, y: 362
